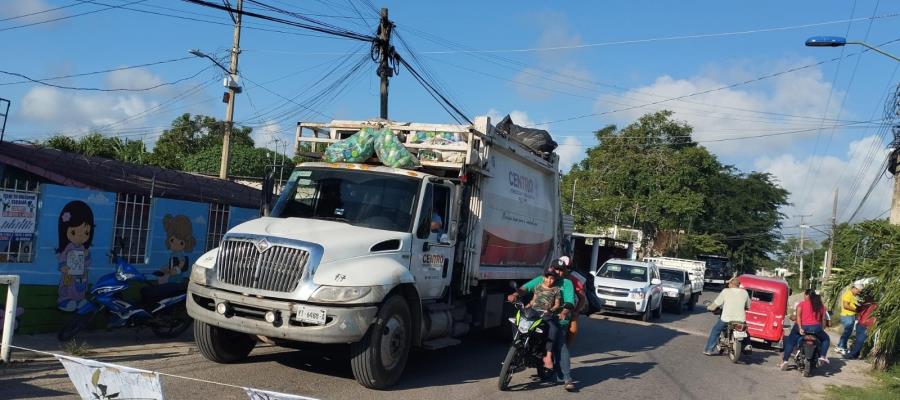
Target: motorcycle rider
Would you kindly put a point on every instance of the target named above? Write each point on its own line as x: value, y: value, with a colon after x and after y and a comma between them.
x: 810, y: 318
x: 734, y: 303
x: 561, y: 361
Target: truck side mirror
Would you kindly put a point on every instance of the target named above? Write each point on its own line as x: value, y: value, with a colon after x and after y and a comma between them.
x: 268, y: 185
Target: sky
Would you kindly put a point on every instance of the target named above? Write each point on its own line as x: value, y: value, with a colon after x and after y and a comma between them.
x: 738, y: 72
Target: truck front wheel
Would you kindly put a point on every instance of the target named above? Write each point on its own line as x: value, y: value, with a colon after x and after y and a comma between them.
x: 221, y: 345
x: 379, y: 358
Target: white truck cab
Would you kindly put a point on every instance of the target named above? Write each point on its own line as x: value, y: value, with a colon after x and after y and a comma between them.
x: 629, y: 287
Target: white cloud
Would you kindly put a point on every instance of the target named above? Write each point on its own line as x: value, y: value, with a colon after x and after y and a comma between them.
x: 718, y: 114
x: 570, y: 151
x: 73, y: 111
x: 16, y: 8
x: 813, y: 193
x: 132, y: 79
x: 78, y: 111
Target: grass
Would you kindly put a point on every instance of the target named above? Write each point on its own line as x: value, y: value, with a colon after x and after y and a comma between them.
x: 76, y: 349
x: 886, y: 388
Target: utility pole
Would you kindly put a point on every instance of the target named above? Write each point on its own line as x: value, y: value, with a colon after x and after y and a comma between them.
x: 384, y: 69
x: 572, y: 208
x: 895, y: 161
x: 232, y: 85
x: 829, y: 262
x: 802, y: 226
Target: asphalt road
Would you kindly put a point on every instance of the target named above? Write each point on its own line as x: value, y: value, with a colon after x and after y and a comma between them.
x: 614, y: 357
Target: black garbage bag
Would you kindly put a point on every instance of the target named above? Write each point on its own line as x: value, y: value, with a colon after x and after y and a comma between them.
x: 538, y: 140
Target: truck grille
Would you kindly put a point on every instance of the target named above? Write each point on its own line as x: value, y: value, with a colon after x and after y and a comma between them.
x: 611, y: 291
x: 276, y: 268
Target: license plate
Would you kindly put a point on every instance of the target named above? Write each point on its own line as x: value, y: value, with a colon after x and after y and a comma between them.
x: 740, y: 335
x: 311, y: 315
x: 610, y: 303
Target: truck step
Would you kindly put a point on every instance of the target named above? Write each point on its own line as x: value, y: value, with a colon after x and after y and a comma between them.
x: 440, y: 343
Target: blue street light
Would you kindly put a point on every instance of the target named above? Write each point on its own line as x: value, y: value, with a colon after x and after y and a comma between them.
x: 826, y: 41
x: 837, y: 41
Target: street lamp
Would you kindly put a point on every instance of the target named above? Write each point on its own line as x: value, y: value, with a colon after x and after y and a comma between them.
x: 838, y: 41
x: 233, y: 89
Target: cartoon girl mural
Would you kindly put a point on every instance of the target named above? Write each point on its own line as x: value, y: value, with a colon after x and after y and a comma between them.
x: 76, y: 234
x: 180, y: 241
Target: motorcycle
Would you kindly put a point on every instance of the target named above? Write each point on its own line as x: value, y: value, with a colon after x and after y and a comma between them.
x: 528, y: 346
x: 807, y: 357
x: 163, y: 310
x: 731, y: 339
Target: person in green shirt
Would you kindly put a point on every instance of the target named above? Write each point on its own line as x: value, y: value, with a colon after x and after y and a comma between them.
x: 562, y: 363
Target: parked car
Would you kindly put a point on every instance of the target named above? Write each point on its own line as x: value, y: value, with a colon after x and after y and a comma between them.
x: 629, y: 287
x: 768, y: 307
x: 678, y: 291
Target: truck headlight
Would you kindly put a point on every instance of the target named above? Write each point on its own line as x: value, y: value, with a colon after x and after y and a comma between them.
x: 340, y: 294
x: 201, y: 269
x: 637, y: 293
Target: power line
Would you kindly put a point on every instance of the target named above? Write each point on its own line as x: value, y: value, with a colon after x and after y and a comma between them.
x: 93, y: 89
x: 41, y: 12
x: 310, y: 24
x: 667, y: 38
x: 108, y: 7
x: 98, y: 72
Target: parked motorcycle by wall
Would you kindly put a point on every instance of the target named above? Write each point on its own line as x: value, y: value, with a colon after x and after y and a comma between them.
x: 528, y: 345
x: 162, y: 307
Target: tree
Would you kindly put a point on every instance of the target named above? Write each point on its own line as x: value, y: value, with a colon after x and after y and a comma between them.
x: 871, y: 249
x: 246, y: 161
x: 189, y: 135
x: 652, y: 176
x: 98, y: 145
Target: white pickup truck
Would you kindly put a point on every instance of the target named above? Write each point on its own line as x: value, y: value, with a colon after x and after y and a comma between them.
x: 383, y: 259
x: 629, y: 287
x: 676, y: 289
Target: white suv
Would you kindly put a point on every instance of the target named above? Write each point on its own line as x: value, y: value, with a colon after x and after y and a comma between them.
x: 629, y: 287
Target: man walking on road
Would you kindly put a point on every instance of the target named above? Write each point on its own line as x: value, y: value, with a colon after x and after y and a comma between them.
x: 734, y: 302
x: 849, y: 304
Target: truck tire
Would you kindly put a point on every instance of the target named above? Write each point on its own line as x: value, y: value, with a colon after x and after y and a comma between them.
x: 693, y: 303
x: 221, y: 345
x: 378, y: 359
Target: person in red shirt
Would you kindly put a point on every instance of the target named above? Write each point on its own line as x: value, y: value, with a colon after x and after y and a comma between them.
x: 811, y: 314
x: 866, y: 313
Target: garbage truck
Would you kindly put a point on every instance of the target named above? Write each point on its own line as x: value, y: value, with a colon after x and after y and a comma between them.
x: 385, y: 259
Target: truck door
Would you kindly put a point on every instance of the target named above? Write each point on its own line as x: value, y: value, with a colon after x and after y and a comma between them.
x: 432, y: 247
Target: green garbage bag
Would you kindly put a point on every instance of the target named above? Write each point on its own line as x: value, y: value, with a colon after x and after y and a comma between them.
x: 357, y: 148
x: 392, y: 153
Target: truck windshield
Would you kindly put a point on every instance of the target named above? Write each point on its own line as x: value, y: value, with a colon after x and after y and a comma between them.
x: 623, y: 272
x: 360, y: 198
x: 671, y: 275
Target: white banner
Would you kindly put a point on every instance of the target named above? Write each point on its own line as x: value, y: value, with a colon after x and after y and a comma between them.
x: 18, y: 213
x: 256, y: 394
x: 95, y: 380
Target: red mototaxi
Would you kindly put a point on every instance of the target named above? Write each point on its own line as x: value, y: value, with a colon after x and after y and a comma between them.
x: 768, y: 307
